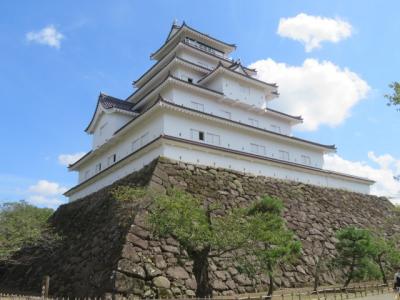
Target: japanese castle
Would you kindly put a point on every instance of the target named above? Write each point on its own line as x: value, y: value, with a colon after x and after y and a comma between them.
x: 197, y: 105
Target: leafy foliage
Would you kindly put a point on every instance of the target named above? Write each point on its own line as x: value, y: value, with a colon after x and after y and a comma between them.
x: 394, y: 98
x: 20, y: 224
x: 385, y: 254
x: 355, y: 250
x: 273, y: 244
x: 194, y: 225
x: 199, y: 229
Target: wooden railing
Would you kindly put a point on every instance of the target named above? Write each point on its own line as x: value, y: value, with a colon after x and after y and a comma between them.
x: 330, y: 293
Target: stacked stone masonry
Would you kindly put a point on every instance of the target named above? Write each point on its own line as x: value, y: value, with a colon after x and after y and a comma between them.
x: 106, y: 247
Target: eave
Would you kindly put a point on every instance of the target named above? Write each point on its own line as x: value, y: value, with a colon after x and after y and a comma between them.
x: 164, y: 103
x: 170, y: 79
x: 142, y: 80
x: 174, y: 60
x: 189, y: 143
x: 287, y: 138
x: 101, y: 109
x: 225, y: 47
x: 222, y: 69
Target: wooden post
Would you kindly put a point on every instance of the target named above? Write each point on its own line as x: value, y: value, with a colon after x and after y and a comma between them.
x: 45, y: 286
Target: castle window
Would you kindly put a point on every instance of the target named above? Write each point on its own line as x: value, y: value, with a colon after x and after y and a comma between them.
x: 253, y: 122
x: 197, y: 135
x: 198, y: 106
x: 306, y: 160
x: 257, y: 149
x: 276, y: 128
x: 111, y: 159
x: 135, y: 144
x: 283, y: 155
x: 86, y: 175
x: 226, y: 114
x: 245, y: 89
x: 98, y: 167
x: 102, y: 129
x: 190, y: 80
x: 144, y: 139
x: 213, y: 139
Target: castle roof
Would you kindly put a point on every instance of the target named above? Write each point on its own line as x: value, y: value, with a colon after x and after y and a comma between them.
x: 221, y: 68
x: 184, y: 28
x: 106, y: 102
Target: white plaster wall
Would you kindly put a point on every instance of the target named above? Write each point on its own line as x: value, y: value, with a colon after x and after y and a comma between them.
x: 137, y: 163
x: 153, y: 125
x: 180, y: 125
x: 106, y: 126
x: 185, y: 97
x: 184, y: 72
x: 242, y: 91
x: 203, y: 60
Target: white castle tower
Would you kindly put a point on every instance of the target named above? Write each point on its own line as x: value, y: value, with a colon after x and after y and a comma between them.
x: 198, y: 106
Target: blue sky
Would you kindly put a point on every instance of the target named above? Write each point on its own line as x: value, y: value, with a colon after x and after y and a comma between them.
x: 49, y: 89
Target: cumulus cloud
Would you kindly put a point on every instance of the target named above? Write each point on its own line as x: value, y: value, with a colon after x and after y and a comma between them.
x: 68, y: 159
x: 47, y: 36
x: 320, y: 91
x: 46, y: 193
x: 385, y: 172
x: 312, y: 30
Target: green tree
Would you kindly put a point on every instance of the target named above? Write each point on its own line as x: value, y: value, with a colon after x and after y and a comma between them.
x: 201, y: 231
x: 355, y: 251
x: 272, y: 243
x: 20, y: 224
x: 394, y: 98
x: 385, y: 254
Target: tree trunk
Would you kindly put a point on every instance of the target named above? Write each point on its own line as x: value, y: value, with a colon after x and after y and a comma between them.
x: 382, y: 272
x: 200, y: 271
x: 349, y: 277
x: 351, y: 272
x: 271, y: 285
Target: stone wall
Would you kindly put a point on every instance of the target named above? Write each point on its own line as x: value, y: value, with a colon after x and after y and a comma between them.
x: 106, y: 247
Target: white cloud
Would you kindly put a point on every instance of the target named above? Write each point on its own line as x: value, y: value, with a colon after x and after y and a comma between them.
x: 47, y: 188
x: 68, y: 159
x: 383, y: 174
x: 43, y: 201
x: 46, y: 193
x: 322, y: 92
x: 312, y: 30
x: 47, y: 36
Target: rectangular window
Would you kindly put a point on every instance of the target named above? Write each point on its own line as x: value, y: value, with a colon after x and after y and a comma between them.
x: 102, y: 129
x: 135, y: 145
x: 226, y: 114
x: 284, y: 155
x: 144, y: 139
x: 213, y: 139
x: 98, y: 168
x: 190, y: 80
x: 276, y: 128
x: 253, y: 122
x: 245, y: 89
x: 197, y: 135
x: 86, y: 175
x: 257, y: 149
x: 198, y: 106
x: 306, y: 160
x: 111, y: 159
